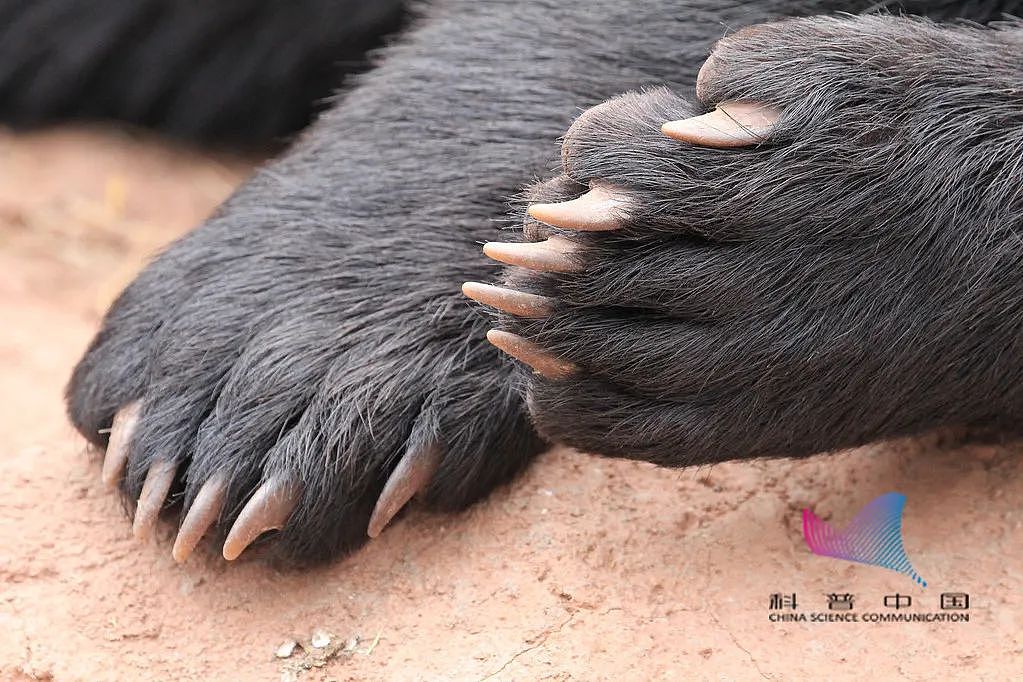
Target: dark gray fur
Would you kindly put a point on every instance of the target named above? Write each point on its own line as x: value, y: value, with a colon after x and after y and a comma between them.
x: 856, y: 278
x: 225, y: 72
x: 313, y: 327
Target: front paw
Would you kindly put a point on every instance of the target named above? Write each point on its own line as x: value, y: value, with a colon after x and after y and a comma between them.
x: 817, y: 255
x: 300, y: 385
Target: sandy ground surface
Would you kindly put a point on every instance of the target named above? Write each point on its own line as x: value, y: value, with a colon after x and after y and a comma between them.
x: 583, y: 569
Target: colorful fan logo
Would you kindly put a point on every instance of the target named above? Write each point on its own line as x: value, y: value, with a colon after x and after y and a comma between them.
x: 873, y: 537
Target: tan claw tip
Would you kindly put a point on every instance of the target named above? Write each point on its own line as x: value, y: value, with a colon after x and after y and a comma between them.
x: 552, y: 255
x: 116, y: 458
x: 513, y: 302
x: 597, y: 210
x: 203, y: 513
x: 412, y: 475
x: 732, y: 124
x: 154, y: 493
x: 528, y: 352
x: 267, y: 509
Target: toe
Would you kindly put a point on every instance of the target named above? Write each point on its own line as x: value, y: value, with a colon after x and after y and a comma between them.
x: 202, y: 514
x: 555, y: 254
x: 541, y: 361
x: 116, y: 458
x: 595, y: 416
x: 600, y: 209
x: 268, y: 509
x: 731, y: 124
x: 510, y: 301
x: 556, y: 189
x: 412, y: 475
x: 158, y: 482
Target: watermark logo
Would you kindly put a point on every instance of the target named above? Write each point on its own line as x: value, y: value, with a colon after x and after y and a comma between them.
x: 874, y: 536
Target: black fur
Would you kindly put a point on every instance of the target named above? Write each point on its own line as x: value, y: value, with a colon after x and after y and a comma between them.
x: 229, y: 72
x: 313, y: 327
x: 854, y: 279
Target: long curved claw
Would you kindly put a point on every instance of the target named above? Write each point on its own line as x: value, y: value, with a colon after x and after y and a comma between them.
x: 528, y: 352
x: 203, y: 513
x: 116, y: 458
x: 513, y: 302
x: 596, y: 211
x: 267, y: 509
x: 732, y: 124
x: 413, y: 474
x: 552, y: 255
x: 154, y: 492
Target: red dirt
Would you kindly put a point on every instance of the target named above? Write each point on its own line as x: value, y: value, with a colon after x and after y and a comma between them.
x: 583, y: 569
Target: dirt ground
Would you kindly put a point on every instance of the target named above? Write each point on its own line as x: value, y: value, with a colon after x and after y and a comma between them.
x: 583, y: 569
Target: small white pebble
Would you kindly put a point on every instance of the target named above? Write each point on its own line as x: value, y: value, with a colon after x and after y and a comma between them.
x: 285, y: 650
x: 320, y: 639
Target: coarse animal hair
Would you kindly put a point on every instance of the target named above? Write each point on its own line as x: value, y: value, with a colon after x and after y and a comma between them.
x: 851, y: 280
x: 239, y: 73
x: 813, y: 294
